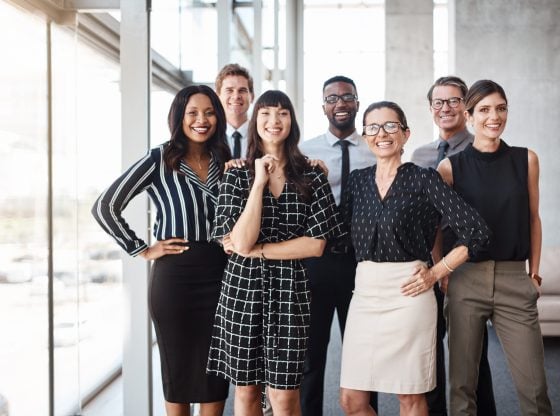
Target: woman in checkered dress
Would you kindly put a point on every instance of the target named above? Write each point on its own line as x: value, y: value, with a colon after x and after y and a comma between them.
x: 270, y: 215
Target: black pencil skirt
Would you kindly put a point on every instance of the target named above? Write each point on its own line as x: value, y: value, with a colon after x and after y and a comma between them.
x: 183, y: 295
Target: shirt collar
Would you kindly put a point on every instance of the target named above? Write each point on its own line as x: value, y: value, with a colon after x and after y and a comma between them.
x: 243, y: 129
x: 456, y: 139
x: 353, y: 139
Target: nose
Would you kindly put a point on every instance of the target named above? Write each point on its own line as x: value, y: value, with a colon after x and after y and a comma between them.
x: 494, y: 114
x: 381, y: 132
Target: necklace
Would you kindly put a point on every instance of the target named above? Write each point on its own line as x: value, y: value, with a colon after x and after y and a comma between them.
x: 198, y: 162
x: 384, y: 184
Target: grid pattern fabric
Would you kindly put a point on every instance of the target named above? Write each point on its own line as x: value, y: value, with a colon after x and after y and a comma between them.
x: 261, y: 325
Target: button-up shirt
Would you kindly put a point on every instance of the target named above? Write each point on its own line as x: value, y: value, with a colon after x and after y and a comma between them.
x: 325, y: 147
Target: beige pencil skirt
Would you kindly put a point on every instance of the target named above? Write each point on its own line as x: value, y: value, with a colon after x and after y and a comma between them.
x: 390, y: 339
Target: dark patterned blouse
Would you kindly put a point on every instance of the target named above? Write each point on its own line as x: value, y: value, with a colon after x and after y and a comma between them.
x: 402, y: 226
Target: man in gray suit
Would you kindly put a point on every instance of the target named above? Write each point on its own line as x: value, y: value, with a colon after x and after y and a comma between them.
x: 448, y: 111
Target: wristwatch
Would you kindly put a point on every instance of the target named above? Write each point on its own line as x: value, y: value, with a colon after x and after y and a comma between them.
x: 537, y: 278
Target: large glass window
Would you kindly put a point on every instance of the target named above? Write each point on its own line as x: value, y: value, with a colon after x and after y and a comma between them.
x: 348, y: 41
x: 23, y: 212
x: 87, y: 264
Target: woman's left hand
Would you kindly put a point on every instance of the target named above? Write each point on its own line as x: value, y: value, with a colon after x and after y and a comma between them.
x: 539, y: 289
x: 423, y: 279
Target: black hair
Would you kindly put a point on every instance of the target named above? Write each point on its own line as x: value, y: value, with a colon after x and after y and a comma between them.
x: 178, y: 145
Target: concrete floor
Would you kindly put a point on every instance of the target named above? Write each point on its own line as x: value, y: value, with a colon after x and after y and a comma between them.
x: 109, y: 403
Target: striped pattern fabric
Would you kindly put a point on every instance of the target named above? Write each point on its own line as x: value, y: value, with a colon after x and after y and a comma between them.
x: 185, y: 205
x: 261, y: 326
x: 402, y: 226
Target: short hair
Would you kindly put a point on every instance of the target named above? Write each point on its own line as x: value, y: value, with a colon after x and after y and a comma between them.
x: 481, y: 89
x: 339, y: 78
x: 232, y: 70
x: 451, y: 81
x: 390, y: 105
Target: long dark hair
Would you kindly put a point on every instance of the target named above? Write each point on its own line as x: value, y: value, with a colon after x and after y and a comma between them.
x: 178, y: 145
x: 296, y: 162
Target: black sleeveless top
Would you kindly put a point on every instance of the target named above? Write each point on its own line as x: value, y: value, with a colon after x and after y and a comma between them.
x: 496, y: 185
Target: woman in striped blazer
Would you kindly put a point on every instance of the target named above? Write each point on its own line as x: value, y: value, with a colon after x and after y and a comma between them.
x: 181, y: 176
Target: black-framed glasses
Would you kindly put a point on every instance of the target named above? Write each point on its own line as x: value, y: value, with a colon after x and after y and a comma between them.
x: 333, y: 98
x: 452, y: 102
x: 388, y: 126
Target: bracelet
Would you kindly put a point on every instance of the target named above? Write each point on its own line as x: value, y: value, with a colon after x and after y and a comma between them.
x: 262, y: 252
x: 447, y: 265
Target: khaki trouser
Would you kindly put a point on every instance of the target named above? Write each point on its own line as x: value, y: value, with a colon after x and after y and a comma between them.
x: 503, y: 293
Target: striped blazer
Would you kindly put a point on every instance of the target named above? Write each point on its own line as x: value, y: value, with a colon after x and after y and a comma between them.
x: 184, y: 204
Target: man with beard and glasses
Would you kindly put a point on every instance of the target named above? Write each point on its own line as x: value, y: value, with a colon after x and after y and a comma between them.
x: 331, y: 276
x: 446, y: 99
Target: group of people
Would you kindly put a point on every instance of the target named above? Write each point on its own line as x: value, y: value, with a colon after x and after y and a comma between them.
x: 260, y: 238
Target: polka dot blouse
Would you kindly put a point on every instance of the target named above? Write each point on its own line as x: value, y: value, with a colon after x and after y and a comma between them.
x: 402, y: 226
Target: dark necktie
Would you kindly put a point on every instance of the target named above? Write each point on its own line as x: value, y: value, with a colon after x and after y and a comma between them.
x: 236, y: 144
x: 442, y: 151
x: 345, y: 169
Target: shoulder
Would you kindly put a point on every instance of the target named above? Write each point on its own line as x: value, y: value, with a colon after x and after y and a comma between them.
x: 425, y: 155
x: 360, y: 174
x: 314, y: 173
x: 313, y: 144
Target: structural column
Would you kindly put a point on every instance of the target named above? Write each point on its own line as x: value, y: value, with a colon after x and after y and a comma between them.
x: 135, y: 93
x: 409, y: 64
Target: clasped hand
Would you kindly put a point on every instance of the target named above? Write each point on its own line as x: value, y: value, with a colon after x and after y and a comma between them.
x: 264, y: 167
x: 422, y: 280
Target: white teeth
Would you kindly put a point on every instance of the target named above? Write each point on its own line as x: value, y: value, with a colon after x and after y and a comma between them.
x: 384, y: 143
x: 201, y: 130
x: 493, y: 126
x: 341, y: 113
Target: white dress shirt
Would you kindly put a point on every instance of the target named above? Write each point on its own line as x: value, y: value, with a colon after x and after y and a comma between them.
x: 325, y: 147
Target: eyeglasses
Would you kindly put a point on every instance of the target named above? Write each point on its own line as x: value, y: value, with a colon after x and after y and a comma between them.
x: 333, y: 98
x: 453, y: 102
x: 388, y: 126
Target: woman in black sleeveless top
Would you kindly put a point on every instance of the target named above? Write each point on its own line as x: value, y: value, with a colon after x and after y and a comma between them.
x: 501, y: 183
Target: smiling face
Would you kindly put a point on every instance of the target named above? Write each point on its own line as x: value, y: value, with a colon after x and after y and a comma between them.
x: 273, y: 124
x: 236, y: 98
x: 342, y: 114
x: 199, y: 122
x: 489, y: 116
x: 385, y: 145
x: 449, y: 120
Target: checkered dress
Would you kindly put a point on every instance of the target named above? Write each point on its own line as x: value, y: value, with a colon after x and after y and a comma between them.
x: 261, y: 325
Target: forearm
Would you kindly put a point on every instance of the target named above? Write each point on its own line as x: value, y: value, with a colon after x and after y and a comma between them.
x: 297, y: 248
x: 536, y: 245
x: 246, y: 230
x: 448, y: 263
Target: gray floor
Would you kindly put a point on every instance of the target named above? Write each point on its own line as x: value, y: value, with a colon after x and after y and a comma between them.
x: 109, y: 403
